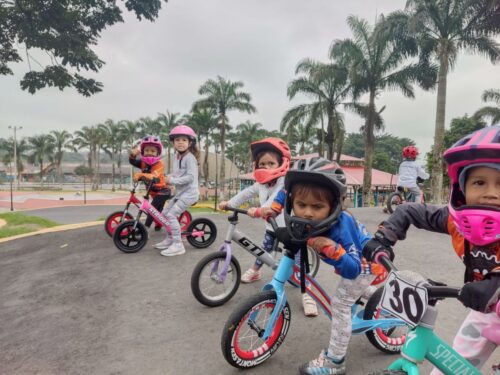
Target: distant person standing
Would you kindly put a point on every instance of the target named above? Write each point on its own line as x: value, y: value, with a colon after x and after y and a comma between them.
x: 409, y: 171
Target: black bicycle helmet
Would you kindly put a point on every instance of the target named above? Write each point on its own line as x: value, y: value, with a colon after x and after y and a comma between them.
x: 316, y: 171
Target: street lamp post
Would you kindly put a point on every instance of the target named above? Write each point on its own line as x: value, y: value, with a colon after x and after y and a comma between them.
x: 15, y: 128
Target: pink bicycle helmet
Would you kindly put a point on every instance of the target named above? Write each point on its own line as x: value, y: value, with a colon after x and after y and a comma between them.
x: 480, y: 225
x: 182, y: 130
x: 151, y: 140
x: 410, y: 152
x: 263, y: 176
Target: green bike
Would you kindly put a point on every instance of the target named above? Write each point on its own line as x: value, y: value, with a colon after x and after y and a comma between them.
x: 410, y: 297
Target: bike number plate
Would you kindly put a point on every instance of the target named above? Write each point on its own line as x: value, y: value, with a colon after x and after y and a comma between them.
x: 404, y: 299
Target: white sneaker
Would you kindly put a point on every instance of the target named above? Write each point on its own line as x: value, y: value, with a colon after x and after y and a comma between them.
x: 177, y: 248
x: 166, y: 243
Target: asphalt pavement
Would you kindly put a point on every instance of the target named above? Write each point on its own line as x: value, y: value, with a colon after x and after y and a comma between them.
x: 71, y: 303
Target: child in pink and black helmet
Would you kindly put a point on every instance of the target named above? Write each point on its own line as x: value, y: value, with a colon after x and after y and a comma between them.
x: 472, y: 219
x: 151, y: 166
x: 185, y: 179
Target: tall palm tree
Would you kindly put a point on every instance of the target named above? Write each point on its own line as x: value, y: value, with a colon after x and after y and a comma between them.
x: 376, y: 62
x: 150, y: 126
x: 42, y: 149
x: 129, y: 134
x: 167, y: 120
x: 61, y: 140
x: 443, y: 29
x: 328, y: 87
x: 204, y: 122
x: 492, y: 112
x: 22, y: 154
x: 246, y: 133
x: 223, y: 96
x: 91, y: 138
x: 112, y: 144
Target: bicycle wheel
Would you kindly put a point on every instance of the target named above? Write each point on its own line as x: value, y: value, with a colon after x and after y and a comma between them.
x: 209, y: 233
x: 128, y: 239
x: 241, y: 340
x: 114, y: 219
x: 206, y: 283
x: 184, y: 220
x: 393, y: 201
x: 388, y: 341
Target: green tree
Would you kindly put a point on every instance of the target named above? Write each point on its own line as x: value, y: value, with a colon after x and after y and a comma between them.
x: 492, y: 112
x: 223, y: 96
x: 61, y: 140
x: 168, y: 121
x: 378, y: 62
x: 112, y: 145
x: 328, y: 87
x: 42, y: 149
x: 443, y: 29
x: 90, y: 138
x: 244, y: 134
x: 22, y: 154
x: 67, y: 31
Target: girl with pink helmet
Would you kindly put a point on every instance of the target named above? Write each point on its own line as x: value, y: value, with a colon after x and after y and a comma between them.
x: 472, y: 219
x: 151, y: 166
x: 184, y: 177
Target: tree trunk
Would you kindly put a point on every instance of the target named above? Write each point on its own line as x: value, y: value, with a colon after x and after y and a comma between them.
x: 41, y: 173
x: 330, y: 137
x: 369, y: 147
x: 340, y: 144
x: 322, y: 139
x: 437, y: 150
x: 113, y: 172
x: 223, y: 154
x: 119, y: 164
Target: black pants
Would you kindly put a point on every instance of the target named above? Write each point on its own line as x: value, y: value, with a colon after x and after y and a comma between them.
x: 158, y: 202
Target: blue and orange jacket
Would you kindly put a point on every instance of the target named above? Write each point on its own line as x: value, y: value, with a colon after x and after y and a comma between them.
x: 483, y: 259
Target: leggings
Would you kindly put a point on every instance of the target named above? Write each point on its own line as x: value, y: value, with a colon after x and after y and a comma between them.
x: 267, y: 245
x: 173, y: 210
x: 158, y: 202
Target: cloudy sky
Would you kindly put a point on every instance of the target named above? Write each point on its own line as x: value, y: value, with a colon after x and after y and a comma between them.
x: 154, y: 67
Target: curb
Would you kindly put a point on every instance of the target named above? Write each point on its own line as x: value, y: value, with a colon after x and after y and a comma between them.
x: 58, y: 228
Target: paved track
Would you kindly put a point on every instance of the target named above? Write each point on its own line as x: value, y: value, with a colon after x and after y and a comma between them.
x: 71, y: 303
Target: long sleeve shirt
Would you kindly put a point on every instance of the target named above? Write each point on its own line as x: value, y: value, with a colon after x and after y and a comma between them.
x: 156, y: 170
x: 409, y: 170
x: 184, y: 177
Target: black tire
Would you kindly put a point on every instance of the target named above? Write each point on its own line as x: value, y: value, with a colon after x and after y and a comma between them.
x: 232, y: 350
x: 206, y: 225
x: 128, y: 239
x: 393, y: 201
x: 202, y: 278
x: 390, y: 341
x: 114, y: 219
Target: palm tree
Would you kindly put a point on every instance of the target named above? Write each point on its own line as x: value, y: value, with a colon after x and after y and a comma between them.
x: 492, y: 112
x: 112, y: 145
x: 42, y: 148
x: 328, y: 86
x: 91, y: 138
x: 167, y: 121
x: 375, y: 62
x: 61, y: 141
x: 443, y: 29
x: 223, y: 96
x: 150, y: 126
x: 129, y: 133
x: 22, y: 148
x: 245, y: 134
x: 204, y: 122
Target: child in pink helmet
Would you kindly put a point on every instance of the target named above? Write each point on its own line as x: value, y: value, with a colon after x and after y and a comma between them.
x: 472, y: 219
x: 185, y: 179
x: 151, y: 166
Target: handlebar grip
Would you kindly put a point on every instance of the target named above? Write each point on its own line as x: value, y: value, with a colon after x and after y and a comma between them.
x: 155, y: 180
x: 238, y: 210
x: 383, y: 258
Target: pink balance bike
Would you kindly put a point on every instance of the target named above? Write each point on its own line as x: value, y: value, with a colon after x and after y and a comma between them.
x: 130, y: 236
x: 115, y: 218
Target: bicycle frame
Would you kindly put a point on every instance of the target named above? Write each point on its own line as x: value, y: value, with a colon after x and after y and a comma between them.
x: 422, y: 343
x: 285, y: 269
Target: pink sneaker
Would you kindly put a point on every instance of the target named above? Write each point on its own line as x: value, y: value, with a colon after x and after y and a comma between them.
x: 251, y: 276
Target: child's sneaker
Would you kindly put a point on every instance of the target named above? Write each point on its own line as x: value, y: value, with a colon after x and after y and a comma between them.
x: 322, y: 365
x: 165, y: 244
x: 251, y: 276
x: 177, y: 248
x: 310, y: 307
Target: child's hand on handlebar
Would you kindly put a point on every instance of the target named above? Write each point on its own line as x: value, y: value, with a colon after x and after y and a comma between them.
x: 252, y: 212
x: 377, y: 245
x: 138, y: 176
x: 480, y: 295
x: 326, y: 247
x: 222, y: 205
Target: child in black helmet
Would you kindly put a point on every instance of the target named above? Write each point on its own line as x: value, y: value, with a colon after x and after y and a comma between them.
x: 312, y: 201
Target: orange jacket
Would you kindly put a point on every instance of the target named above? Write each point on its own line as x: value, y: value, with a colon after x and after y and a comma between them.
x: 156, y: 170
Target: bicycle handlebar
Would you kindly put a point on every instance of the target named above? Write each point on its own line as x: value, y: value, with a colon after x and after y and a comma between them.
x: 237, y: 210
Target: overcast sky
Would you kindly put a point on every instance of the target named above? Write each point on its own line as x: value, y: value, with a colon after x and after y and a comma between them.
x: 154, y: 67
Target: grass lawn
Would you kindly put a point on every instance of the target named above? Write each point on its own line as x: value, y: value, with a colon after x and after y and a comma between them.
x: 18, y: 223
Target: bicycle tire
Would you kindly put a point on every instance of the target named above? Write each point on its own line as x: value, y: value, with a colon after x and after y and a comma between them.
x: 206, y: 225
x: 234, y: 273
x: 124, y: 235
x: 113, y: 220
x: 378, y: 338
x: 390, y: 207
x: 232, y: 350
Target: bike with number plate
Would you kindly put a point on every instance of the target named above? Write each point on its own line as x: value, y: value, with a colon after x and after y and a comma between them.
x: 412, y: 298
x: 131, y: 236
x: 258, y: 326
x: 216, y: 277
